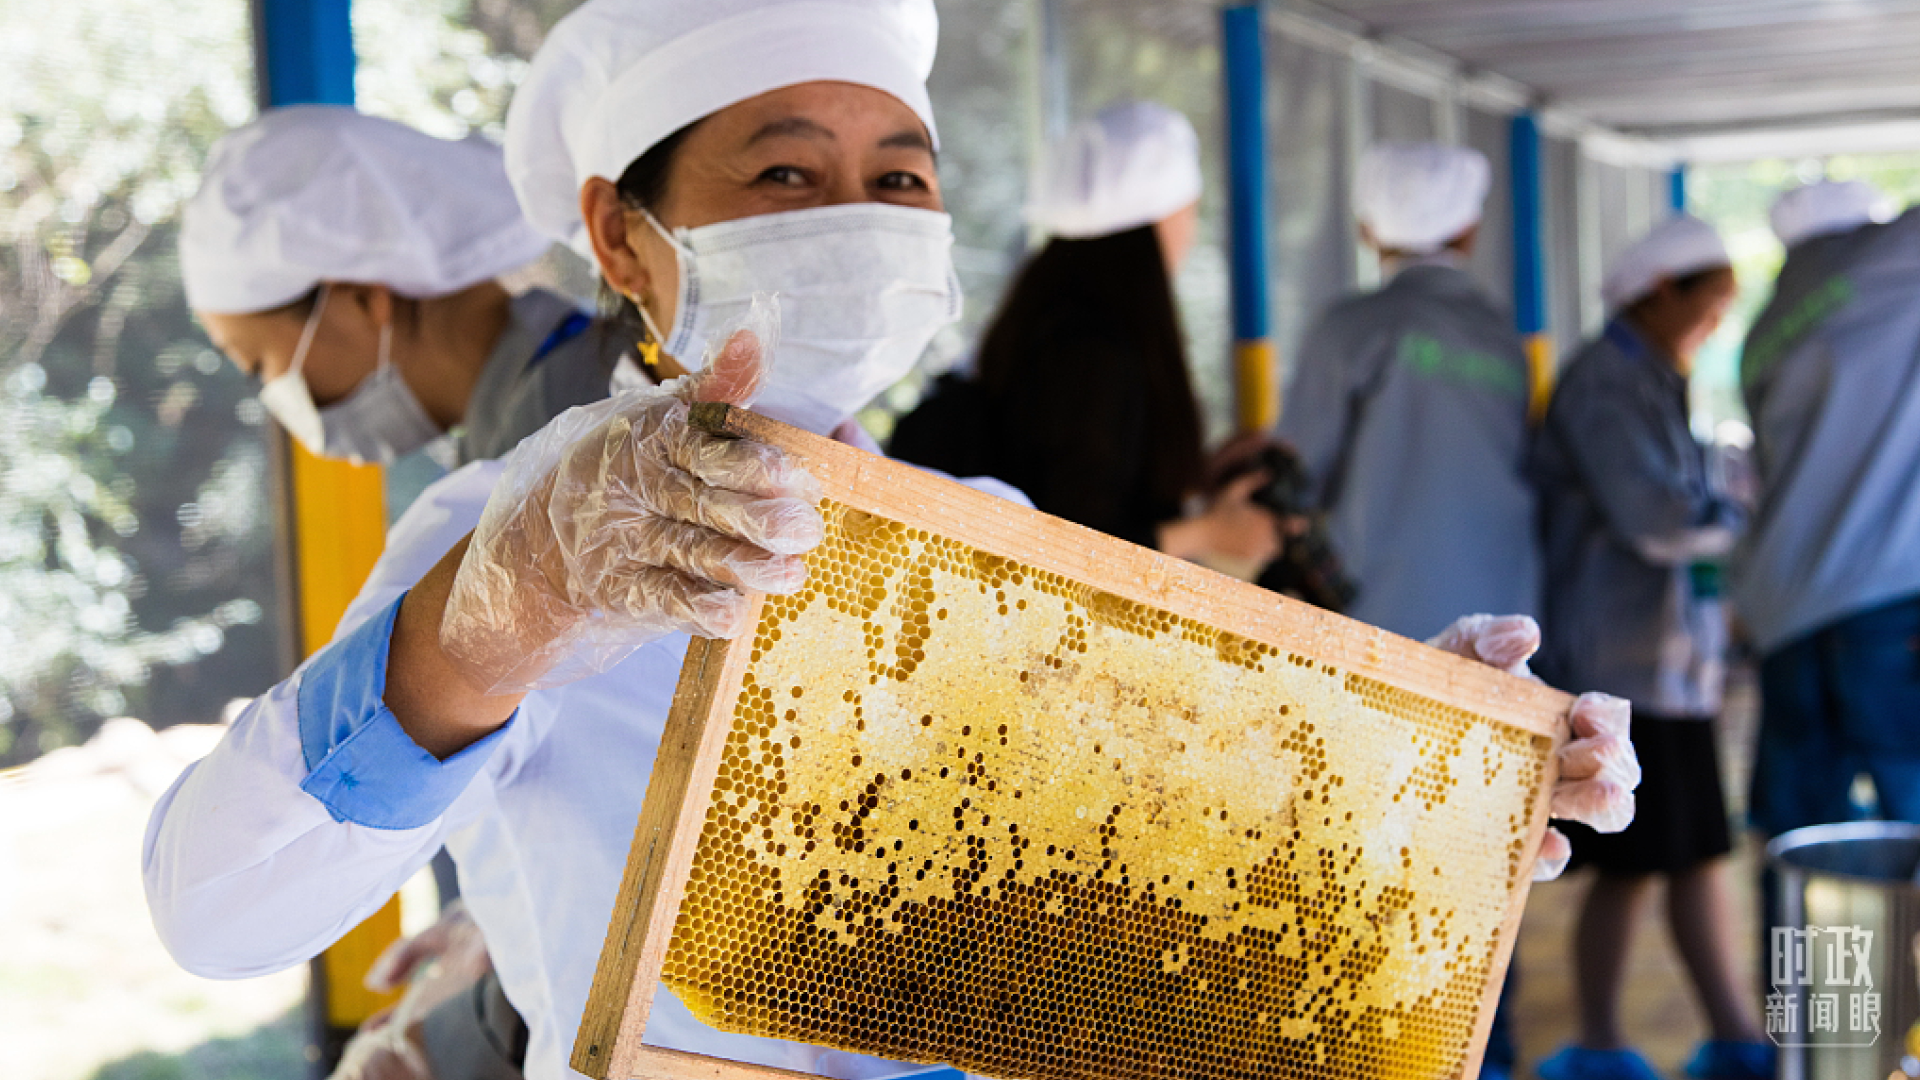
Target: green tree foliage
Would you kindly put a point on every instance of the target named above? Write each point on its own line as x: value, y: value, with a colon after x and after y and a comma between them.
x: 135, y: 557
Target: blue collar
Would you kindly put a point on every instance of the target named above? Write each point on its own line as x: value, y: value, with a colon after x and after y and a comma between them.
x: 1626, y: 339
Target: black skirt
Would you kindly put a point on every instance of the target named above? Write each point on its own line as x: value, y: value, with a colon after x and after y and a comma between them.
x: 1680, y: 818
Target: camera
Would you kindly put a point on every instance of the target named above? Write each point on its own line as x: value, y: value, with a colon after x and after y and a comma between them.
x: 1307, y: 567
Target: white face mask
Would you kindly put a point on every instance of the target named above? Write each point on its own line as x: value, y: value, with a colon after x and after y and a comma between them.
x: 863, y: 289
x: 379, y: 421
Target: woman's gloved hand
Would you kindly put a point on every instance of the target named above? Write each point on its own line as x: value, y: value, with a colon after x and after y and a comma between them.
x: 435, y: 965
x: 1598, y: 768
x: 619, y: 523
x: 385, y: 1048
x: 451, y: 951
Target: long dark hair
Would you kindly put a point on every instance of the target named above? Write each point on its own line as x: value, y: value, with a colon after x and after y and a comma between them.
x: 1118, y: 287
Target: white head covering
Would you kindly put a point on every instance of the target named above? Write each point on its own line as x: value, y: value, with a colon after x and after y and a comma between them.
x: 1415, y: 197
x: 1133, y: 164
x: 322, y: 193
x: 1829, y: 206
x: 616, y: 77
x: 1678, y: 246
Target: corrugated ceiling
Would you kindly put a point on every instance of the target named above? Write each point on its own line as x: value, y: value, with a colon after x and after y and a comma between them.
x: 1674, y: 69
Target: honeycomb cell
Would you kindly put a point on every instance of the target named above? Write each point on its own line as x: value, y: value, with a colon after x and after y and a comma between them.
x: 973, y: 812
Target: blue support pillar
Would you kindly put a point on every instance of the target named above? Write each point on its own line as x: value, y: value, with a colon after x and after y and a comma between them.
x: 1677, y: 188
x: 304, y: 51
x: 1255, y: 360
x: 336, y: 520
x: 1530, y: 255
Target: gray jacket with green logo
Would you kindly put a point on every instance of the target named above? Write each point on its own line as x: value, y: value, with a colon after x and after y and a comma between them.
x: 1409, y: 407
x: 1831, y: 375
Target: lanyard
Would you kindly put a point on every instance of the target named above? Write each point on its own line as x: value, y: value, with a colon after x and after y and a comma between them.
x: 571, y: 327
x: 1626, y: 340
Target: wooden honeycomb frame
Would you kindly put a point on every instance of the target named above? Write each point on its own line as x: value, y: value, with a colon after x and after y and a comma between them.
x: 1084, y: 967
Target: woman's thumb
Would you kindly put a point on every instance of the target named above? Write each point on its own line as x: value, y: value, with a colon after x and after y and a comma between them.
x: 735, y: 373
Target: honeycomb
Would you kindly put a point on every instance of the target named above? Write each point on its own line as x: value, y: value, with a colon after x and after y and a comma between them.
x: 976, y: 813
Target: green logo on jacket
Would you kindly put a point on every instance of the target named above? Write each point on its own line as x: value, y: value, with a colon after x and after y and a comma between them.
x: 1785, y: 335
x: 1432, y: 358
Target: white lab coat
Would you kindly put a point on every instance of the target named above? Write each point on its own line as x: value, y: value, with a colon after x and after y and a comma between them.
x: 247, y: 874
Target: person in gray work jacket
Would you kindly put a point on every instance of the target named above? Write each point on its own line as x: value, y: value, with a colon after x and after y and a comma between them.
x: 1634, y: 521
x: 1409, y: 408
x: 1828, y: 580
x: 349, y: 263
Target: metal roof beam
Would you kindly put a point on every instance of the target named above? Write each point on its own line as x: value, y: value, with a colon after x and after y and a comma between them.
x: 1445, y: 24
x: 1835, y: 136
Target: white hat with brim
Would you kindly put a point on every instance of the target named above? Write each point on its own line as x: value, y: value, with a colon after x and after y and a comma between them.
x: 1134, y: 164
x: 1418, y: 197
x: 1679, y: 246
x: 1825, y: 208
x: 322, y: 193
x: 617, y: 77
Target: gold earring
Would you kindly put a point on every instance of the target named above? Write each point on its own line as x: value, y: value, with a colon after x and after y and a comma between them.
x: 648, y: 347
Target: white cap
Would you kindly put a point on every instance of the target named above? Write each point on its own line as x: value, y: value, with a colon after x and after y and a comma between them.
x: 1826, y: 207
x: 322, y: 193
x: 1415, y: 197
x: 616, y: 77
x: 1678, y: 246
x: 1134, y: 164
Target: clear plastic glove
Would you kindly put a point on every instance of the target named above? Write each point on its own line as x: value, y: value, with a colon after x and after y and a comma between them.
x: 1502, y: 641
x: 619, y: 523
x: 435, y: 965
x: 383, y: 1049
x: 1598, y: 768
x: 451, y: 946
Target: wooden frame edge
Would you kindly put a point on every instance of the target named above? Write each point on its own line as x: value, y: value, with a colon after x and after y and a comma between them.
x: 987, y: 522
x: 608, y: 1043
x: 658, y: 1063
x: 1516, y: 908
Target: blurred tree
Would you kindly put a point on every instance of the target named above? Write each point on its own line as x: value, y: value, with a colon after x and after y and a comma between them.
x: 135, y: 525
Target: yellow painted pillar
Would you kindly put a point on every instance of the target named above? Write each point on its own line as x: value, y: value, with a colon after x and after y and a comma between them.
x: 1541, y: 371
x: 1257, y: 384
x: 339, y: 530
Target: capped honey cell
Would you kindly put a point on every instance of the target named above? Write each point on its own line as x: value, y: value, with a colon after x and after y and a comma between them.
x: 1033, y: 829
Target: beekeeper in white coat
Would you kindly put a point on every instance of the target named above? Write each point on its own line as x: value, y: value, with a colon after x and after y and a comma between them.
x: 349, y: 264
x: 707, y: 152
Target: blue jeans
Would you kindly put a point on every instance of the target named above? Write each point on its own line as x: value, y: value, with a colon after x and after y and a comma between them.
x: 1838, y: 702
